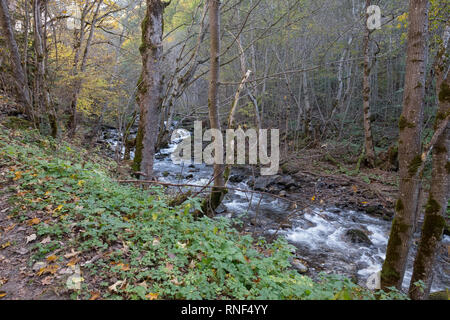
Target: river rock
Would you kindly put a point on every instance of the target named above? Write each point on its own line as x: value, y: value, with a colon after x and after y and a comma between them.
x: 358, y: 236
x: 299, y: 266
x: 286, y: 181
x: 264, y: 182
x: 237, y: 178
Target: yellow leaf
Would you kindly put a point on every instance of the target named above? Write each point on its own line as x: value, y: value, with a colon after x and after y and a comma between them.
x: 49, y: 269
x: 313, y: 198
x: 52, y: 258
x: 34, y: 221
x: 73, y: 262
x: 18, y: 175
x: 152, y: 296
x: 2, y: 294
x: 5, y: 245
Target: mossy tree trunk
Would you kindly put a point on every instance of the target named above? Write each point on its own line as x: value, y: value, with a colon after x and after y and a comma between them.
x: 409, y: 147
x: 149, y: 96
x: 434, y: 221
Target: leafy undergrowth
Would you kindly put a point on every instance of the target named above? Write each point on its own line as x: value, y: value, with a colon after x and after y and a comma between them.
x: 127, y: 242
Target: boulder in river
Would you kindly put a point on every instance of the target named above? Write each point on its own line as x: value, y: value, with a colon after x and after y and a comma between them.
x: 358, y: 236
x: 264, y: 182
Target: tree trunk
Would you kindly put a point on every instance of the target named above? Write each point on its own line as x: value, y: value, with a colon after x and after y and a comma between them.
x: 410, y: 125
x: 73, y: 118
x: 149, y: 96
x: 368, y: 139
x: 24, y: 92
x: 436, y: 206
x: 218, y: 191
x: 42, y: 97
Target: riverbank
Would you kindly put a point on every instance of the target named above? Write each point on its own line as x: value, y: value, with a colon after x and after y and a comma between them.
x: 68, y: 230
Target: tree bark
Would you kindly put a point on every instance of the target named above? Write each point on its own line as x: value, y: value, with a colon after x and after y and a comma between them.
x: 368, y: 138
x: 149, y: 96
x: 410, y: 125
x: 42, y: 98
x: 218, y: 191
x: 436, y: 206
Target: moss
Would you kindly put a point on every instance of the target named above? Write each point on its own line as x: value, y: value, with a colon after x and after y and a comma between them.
x: 414, y: 165
x: 440, y: 116
x: 444, y: 93
x: 440, y: 295
x: 17, y: 123
x: 403, y: 123
x: 399, y: 205
x: 432, y: 206
x: 138, y: 153
x: 389, y: 275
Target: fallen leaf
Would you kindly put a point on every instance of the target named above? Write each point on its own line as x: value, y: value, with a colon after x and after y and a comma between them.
x: 72, y: 254
x: 3, y: 281
x: 47, y: 280
x: 31, y: 238
x: 46, y: 240
x: 169, y: 266
x: 49, y: 269
x: 94, y: 295
x: 176, y: 282
x: 5, y: 245
x: 73, y: 262
x: 2, y: 294
x: 33, y: 221
x: 9, y: 228
x: 113, y: 287
x: 52, y: 258
x: 18, y: 175
x: 354, y: 188
x: 152, y: 296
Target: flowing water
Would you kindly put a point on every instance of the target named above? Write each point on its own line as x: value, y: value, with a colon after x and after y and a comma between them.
x: 319, y: 234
